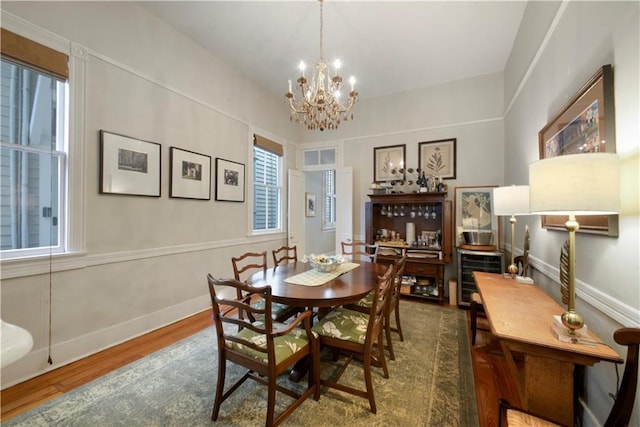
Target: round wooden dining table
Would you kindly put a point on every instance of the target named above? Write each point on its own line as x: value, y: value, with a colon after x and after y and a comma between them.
x: 347, y: 288
x: 344, y: 289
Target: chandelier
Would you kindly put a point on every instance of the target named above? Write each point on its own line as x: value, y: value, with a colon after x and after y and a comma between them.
x: 320, y: 105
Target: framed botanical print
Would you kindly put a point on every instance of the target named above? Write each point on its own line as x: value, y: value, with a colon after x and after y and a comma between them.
x: 438, y: 158
x: 387, y: 163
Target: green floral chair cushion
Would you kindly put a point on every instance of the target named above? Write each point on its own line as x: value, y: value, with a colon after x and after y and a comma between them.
x: 277, y: 309
x: 366, y: 301
x: 344, y: 324
x: 286, y: 345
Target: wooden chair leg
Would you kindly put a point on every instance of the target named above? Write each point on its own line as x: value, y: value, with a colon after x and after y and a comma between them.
x: 398, y: 328
x: 369, y: 384
x: 474, y: 321
x: 387, y: 330
x: 222, y: 369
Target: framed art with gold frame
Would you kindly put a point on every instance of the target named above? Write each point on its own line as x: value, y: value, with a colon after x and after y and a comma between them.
x: 584, y: 125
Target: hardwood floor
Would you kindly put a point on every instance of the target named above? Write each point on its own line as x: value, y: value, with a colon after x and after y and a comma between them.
x: 491, y: 373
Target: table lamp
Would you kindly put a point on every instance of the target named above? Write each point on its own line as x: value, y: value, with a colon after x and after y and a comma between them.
x: 512, y: 200
x: 575, y: 184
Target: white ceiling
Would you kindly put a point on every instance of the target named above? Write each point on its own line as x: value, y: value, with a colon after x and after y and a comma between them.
x: 389, y: 46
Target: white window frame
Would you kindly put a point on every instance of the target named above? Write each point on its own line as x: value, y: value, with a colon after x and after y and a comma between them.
x: 250, y: 184
x: 71, y: 214
x: 328, y: 225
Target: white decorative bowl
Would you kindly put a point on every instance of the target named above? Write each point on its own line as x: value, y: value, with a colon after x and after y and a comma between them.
x: 324, y: 267
x: 323, y: 263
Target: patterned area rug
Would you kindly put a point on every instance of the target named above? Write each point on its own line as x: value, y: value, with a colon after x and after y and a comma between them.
x: 430, y: 384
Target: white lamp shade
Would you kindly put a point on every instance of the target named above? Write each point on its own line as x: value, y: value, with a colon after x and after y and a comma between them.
x: 511, y: 200
x: 578, y: 184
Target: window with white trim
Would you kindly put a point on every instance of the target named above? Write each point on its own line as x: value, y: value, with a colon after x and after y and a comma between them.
x: 33, y: 151
x: 329, y: 199
x: 267, y: 185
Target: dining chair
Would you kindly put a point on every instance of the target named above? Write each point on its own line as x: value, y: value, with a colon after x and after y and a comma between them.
x: 620, y: 414
x: 284, y: 254
x: 264, y: 348
x: 343, y: 330
x: 249, y: 263
x: 358, y: 251
x: 394, y: 307
x: 364, y: 305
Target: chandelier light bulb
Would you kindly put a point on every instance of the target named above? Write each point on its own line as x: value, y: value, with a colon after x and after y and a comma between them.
x: 352, y: 81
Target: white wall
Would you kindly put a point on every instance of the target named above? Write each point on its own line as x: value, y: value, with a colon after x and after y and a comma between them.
x: 143, y: 261
x: 468, y: 110
x: 545, y: 69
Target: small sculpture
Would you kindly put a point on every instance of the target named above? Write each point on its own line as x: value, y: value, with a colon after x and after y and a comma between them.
x: 564, y: 272
x: 525, y: 255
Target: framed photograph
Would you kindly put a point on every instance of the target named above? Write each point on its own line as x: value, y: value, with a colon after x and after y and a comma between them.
x: 387, y: 162
x: 584, y: 125
x: 229, y: 181
x: 438, y: 158
x: 474, y: 211
x: 129, y: 166
x: 190, y: 175
x: 309, y: 204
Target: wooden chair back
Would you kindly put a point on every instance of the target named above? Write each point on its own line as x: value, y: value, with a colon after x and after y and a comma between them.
x: 623, y: 407
x: 237, y: 344
x: 358, y: 251
x: 249, y: 263
x: 284, y: 254
x: 393, y: 306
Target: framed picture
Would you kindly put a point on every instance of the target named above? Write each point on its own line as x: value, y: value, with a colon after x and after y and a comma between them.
x: 190, y: 174
x: 438, y: 158
x: 474, y: 211
x: 387, y: 162
x: 129, y: 166
x: 229, y: 181
x: 584, y: 125
x: 309, y: 204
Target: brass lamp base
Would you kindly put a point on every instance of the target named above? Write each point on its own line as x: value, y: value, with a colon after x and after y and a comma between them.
x: 572, y: 320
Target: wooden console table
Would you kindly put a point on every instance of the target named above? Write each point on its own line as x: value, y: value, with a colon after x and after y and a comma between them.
x: 521, y: 316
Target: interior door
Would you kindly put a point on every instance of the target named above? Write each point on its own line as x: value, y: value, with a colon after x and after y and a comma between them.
x: 344, y: 207
x: 296, y: 226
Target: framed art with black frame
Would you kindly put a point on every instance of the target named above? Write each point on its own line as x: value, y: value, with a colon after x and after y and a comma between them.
x: 190, y: 174
x: 229, y: 181
x: 387, y: 162
x: 586, y: 124
x: 129, y: 166
x: 438, y: 158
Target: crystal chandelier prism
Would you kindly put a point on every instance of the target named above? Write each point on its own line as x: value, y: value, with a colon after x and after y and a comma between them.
x: 320, y: 104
